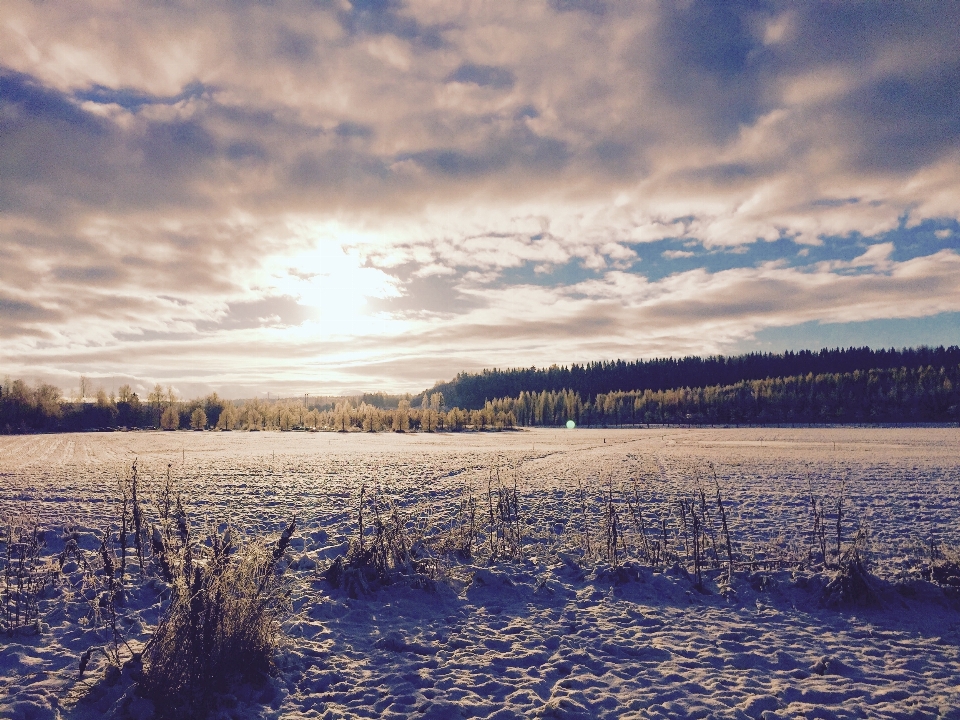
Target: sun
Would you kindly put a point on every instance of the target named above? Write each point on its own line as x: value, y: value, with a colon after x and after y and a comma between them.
x: 332, y: 278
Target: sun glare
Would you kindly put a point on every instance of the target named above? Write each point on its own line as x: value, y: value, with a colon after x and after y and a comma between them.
x: 331, y: 278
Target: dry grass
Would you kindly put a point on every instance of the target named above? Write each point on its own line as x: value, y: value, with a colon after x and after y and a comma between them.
x: 25, y: 574
x: 227, y: 597
x: 852, y: 584
x: 222, y: 625
x: 943, y: 567
x: 504, y: 531
x: 455, y: 541
x: 382, y: 550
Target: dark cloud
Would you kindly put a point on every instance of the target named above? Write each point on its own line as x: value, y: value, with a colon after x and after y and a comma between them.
x: 26, y: 101
x: 619, y: 156
x: 522, y: 149
x: 175, y: 146
x: 56, y: 156
x: 827, y: 32
x: 712, y: 37
x: 46, y: 142
x: 593, y: 7
x: 834, y: 202
x: 24, y: 311
x: 133, y: 99
x: 246, y: 151
x: 276, y: 311
x: 904, y: 123
x: 722, y: 174
x: 297, y: 46
x: 711, y: 63
x: 386, y: 17
x: 23, y: 319
x: 428, y: 296
x: 49, y: 244
x: 338, y: 171
x: 350, y: 130
x: 102, y: 275
x: 483, y: 75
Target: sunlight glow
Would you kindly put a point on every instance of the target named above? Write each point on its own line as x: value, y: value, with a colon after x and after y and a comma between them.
x: 332, y: 279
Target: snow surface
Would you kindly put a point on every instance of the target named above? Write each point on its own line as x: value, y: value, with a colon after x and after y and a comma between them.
x: 556, y: 634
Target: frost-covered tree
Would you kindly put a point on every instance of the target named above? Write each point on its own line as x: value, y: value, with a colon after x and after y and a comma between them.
x: 198, y: 419
x: 170, y: 420
x: 229, y: 417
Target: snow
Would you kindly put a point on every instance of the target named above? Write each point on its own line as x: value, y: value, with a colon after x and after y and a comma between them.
x: 556, y: 634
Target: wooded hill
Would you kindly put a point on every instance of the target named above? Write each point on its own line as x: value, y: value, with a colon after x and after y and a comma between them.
x: 902, y: 395
x: 472, y: 390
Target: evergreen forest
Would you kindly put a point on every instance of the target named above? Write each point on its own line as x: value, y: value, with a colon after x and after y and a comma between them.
x: 472, y: 390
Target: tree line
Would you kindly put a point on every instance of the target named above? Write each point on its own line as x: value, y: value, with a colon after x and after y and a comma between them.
x: 881, y: 395
x: 473, y: 390
x: 42, y: 408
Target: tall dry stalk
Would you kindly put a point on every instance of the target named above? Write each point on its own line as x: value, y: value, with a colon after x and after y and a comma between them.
x: 586, y: 523
x: 726, y: 530
x: 505, y: 528
x: 839, y: 519
x: 689, y: 510
x: 139, y: 523
x: 613, y: 534
x: 819, y: 529
x: 636, y: 512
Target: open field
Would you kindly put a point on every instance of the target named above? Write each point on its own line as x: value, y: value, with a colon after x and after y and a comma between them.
x: 556, y: 632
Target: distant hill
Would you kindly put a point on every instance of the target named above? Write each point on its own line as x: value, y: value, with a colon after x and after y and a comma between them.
x: 472, y: 390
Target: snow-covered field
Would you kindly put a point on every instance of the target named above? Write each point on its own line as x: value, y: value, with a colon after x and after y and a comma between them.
x: 555, y: 634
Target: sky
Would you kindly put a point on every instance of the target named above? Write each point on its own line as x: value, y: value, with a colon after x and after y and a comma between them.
x: 335, y: 197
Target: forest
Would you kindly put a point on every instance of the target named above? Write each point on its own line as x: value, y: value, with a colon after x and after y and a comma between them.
x: 921, y: 392
x: 472, y: 391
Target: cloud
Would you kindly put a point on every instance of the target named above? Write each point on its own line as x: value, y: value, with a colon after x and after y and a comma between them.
x: 427, y: 168
x: 483, y: 75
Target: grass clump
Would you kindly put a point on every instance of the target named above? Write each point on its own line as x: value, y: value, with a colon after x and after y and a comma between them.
x: 852, y: 584
x: 943, y: 567
x: 222, y: 625
x: 383, y: 550
x: 457, y: 540
x: 225, y: 597
x: 504, y: 531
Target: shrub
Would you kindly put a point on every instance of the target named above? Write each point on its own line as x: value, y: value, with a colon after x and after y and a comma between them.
x: 222, y: 625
